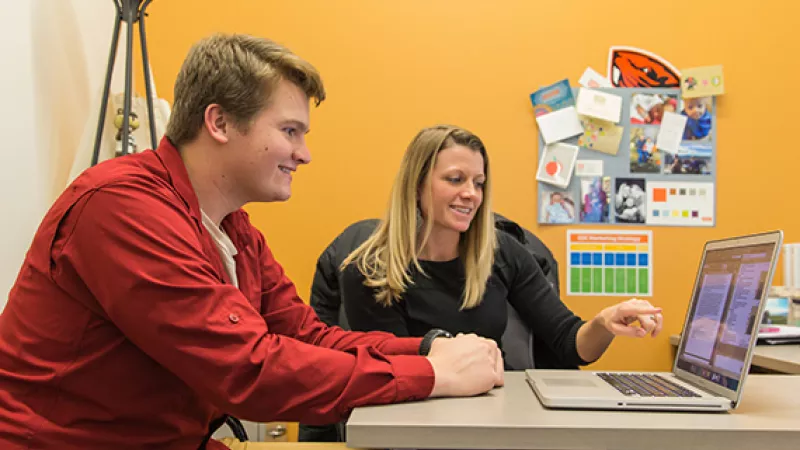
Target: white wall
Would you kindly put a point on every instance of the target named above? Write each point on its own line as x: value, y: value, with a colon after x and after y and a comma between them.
x: 55, y: 55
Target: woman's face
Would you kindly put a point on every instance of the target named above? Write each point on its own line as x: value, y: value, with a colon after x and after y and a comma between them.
x: 454, y: 190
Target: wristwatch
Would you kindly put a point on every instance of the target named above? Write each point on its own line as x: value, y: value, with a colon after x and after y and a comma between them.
x: 427, y: 340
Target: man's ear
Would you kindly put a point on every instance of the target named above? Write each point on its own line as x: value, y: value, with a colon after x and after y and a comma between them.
x: 216, y: 123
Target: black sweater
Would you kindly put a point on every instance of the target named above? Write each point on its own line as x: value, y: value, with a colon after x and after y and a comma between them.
x: 433, y: 301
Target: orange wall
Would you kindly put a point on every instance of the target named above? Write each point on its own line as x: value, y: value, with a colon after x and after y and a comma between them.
x: 392, y: 67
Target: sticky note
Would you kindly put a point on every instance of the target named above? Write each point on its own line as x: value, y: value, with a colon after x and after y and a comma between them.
x: 702, y: 82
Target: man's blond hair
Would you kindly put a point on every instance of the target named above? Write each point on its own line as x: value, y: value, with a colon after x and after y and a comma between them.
x: 239, y: 73
x: 387, y: 258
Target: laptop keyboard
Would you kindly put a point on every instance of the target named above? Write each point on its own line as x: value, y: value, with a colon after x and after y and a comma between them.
x: 645, y: 385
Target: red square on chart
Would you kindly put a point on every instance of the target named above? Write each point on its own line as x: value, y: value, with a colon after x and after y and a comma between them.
x: 659, y: 195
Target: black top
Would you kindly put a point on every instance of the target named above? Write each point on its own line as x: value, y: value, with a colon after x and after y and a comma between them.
x: 434, y: 302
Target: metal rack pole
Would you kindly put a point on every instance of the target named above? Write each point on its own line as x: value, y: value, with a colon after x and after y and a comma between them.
x: 129, y: 11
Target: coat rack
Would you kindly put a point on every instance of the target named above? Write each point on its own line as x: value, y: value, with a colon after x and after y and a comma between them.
x: 130, y: 12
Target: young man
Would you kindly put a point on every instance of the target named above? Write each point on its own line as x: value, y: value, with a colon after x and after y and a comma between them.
x: 148, y: 306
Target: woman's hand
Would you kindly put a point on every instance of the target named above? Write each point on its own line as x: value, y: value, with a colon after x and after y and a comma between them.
x: 622, y: 318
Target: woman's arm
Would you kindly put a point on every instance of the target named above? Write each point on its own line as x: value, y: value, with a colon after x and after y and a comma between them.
x: 592, y: 340
x: 537, y: 303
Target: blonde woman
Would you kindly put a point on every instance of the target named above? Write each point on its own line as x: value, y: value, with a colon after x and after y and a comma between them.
x: 435, y: 262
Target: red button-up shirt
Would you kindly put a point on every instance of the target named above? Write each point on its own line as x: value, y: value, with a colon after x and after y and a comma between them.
x: 123, y: 331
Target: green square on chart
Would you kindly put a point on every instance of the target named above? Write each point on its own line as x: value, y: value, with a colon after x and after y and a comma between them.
x: 597, y: 280
x: 609, y: 280
x: 630, y: 281
x: 575, y: 279
x: 586, y: 279
x: 619, y: 280
x: 644, y: 281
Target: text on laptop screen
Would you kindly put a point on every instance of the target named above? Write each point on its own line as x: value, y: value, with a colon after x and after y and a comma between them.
x: 725, y: 313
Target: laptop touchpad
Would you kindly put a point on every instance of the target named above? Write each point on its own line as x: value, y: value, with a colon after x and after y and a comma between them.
x: 568, y: 382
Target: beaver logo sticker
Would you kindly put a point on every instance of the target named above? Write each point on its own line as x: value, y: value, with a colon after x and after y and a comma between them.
x: 630, y: 67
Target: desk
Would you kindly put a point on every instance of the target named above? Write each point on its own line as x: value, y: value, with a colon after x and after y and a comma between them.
x: 776, y: 358
x: 513, y: 418
x: 290, y: 446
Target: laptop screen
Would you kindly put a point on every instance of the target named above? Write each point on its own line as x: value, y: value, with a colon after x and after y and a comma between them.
x: 724, y: 317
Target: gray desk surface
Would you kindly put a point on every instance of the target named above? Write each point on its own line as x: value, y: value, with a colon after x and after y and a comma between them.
x: 778, y: 358
x: 513, y: 418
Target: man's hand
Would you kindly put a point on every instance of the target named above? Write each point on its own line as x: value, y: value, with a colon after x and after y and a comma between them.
x: 465, y: 365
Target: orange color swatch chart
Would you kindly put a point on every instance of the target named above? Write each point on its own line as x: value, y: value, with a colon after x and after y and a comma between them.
x: 680, y: 204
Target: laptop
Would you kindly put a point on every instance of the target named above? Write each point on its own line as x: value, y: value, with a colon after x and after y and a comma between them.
x: 716, y: 347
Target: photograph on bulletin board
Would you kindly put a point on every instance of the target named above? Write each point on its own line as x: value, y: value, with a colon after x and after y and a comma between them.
x: 698, y: 112
x: 558, y: 207
x: 645, y: 157
x: 595, y: 197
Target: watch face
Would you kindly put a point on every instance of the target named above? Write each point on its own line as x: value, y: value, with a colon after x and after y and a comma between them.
x: 443, y: 333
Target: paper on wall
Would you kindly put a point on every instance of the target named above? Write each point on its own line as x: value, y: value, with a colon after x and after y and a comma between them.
x: 599, y: 105
x: 671, y: 132
x: 592, y: 79
x: 559, y: 125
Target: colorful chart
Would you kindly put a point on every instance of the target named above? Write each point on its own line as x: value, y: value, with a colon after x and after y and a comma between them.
x: 610, y: 263
x: 680, y: 203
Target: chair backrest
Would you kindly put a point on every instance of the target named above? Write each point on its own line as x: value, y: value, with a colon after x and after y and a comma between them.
x: 517, y: 343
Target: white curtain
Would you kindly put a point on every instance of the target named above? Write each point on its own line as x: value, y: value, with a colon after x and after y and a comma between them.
x: 55, y: 54
x: 109, y: 144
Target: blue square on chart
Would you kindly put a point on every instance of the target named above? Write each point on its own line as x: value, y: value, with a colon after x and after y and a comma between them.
x: 631, y: 259
x: 597, y: 259
x: 656, y: 213
x: 586, y: 258
x: 575, y: 258
x: 620, y: 259
x: 643, y: 259
x: 609, y: 259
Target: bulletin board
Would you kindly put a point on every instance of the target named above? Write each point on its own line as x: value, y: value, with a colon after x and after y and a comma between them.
x: 640, y: 184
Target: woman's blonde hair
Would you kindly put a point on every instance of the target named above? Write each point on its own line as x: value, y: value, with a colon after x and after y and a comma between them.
x: 387, y: 257
x: 239, y: 73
